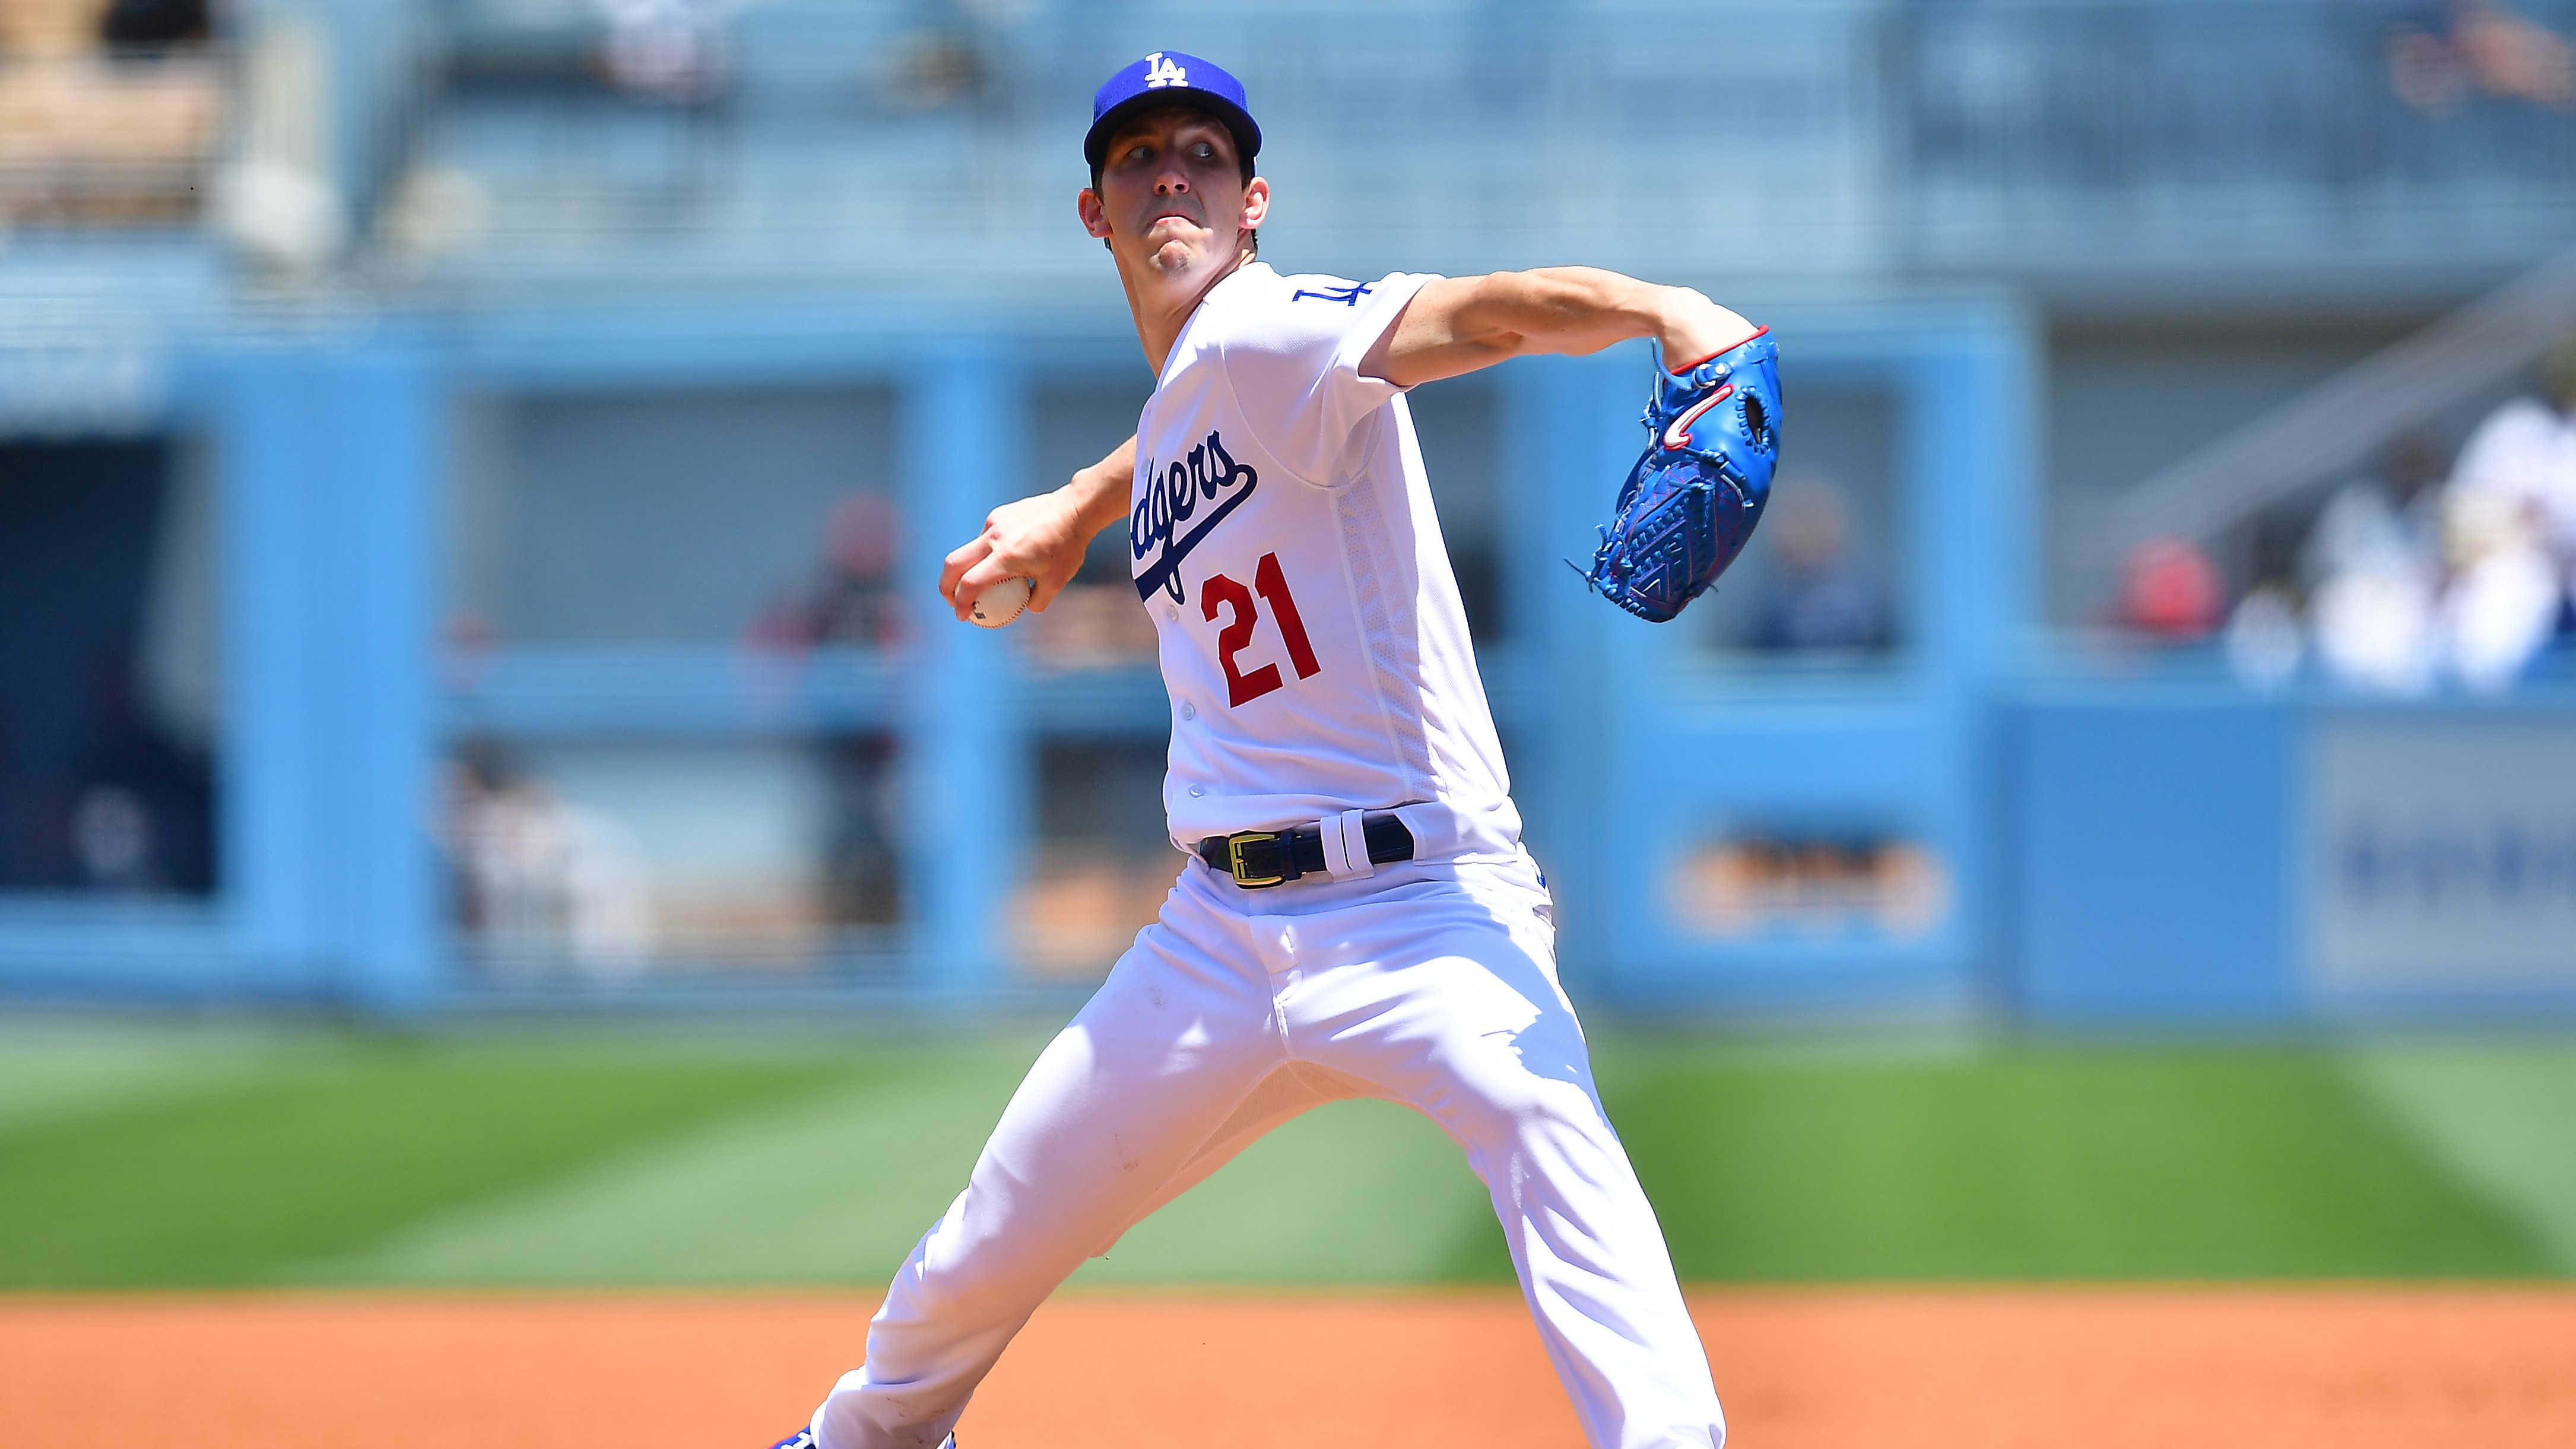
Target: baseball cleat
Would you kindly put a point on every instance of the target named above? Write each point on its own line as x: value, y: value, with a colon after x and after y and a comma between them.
x: 805, y: 1440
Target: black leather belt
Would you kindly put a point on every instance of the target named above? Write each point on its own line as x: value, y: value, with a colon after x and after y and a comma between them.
x: 1262, y: 858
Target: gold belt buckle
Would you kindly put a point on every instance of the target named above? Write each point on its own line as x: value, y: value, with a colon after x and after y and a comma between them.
x: 1234, y: 845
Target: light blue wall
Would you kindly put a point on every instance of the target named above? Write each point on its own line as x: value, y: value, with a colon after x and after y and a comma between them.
x: 334, y: 449
x: 2179, y: 852
x: 331, y: 449
x: 968, y: 770
x: 2149, y: 846
x: 2111, y: 852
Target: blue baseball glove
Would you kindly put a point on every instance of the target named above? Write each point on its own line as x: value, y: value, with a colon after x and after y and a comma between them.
x: 1698, y: 489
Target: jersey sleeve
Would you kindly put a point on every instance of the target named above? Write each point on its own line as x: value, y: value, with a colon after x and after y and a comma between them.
x: 1295, y: 365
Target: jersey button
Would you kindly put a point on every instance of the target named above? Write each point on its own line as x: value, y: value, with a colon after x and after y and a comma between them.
x: 1198, y: 789
x: 1189, y: 710
x: 1172, y: 612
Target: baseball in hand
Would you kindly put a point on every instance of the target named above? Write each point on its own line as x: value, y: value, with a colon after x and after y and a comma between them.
x: 1000, y: 603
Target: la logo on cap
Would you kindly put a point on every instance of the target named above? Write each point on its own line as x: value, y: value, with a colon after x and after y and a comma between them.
x: 1151, y: 81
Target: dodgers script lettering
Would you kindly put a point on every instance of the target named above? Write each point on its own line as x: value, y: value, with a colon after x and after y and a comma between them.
x: 1208, y: 484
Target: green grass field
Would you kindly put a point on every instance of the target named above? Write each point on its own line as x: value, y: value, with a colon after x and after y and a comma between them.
x: 170, y: 1156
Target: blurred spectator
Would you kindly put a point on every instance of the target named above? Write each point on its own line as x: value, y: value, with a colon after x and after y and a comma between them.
x: 1821, y: 597
x: 863, y: 867
x: 141, y: 806
x: 535, y: 874
x: 2372, y: 571
x: 2502, y: 602
x: 2509, y: 530
x: 944, y: 58
x: 2525, y: 454
x: 2374, y: 628
x: 2392, y: 518
x: 112, y: 838
x: 2264, y: 641
x: 670, y: 50
x: 933, y: 69
x: 851, y: 600
x: 2410, y: 577
x: 2441, y: 52
x: 851, y: 603
x: 2170, y: 591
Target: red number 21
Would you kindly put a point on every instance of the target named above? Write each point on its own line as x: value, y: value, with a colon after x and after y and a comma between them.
x: 1242, y: 614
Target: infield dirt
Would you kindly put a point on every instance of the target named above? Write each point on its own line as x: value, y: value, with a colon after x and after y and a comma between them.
x: 1812, y: 1369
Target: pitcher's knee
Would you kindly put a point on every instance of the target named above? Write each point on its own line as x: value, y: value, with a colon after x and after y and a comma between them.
x: 1504, y: 1110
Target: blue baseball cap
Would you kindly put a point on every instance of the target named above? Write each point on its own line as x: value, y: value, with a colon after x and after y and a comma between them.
x: 1165, y: 77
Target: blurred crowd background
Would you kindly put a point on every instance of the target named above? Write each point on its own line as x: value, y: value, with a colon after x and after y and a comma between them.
x: 470, y: 472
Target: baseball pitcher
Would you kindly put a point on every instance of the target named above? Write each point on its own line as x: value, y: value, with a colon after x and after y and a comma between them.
x: 1357, y: 916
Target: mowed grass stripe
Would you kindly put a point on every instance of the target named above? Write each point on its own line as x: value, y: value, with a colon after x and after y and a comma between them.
x: 831, y: 1188
x: 2032, y: 1163
x: 327, y: 1150
x: 564, y: 1159
x: 2500, y: 1115
x: 1352, y: 1193
x: 837, y: 1189
x: 57, y: 1072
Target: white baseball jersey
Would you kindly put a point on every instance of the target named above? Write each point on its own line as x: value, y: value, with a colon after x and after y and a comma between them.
x: 1281, y: 534
x: 1318, y: 662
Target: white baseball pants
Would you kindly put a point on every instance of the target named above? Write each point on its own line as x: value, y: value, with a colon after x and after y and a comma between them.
x: 1433, y: 985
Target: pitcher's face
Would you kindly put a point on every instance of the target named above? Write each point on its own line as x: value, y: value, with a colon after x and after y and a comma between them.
x: 1172, y: 201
